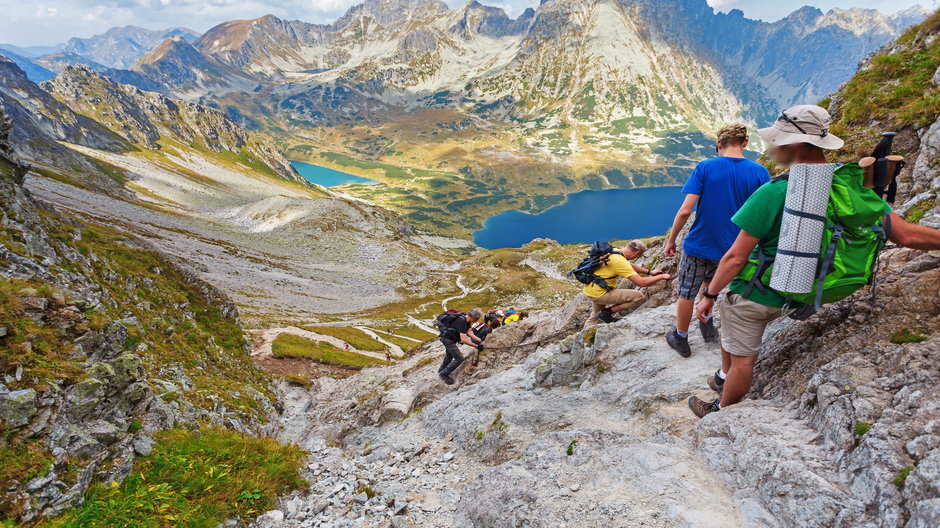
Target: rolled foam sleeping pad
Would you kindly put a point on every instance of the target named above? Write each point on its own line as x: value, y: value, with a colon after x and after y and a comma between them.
x: 808, y: 193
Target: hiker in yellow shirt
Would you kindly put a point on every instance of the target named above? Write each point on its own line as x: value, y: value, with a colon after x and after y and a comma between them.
x: 511, y: 316
x: 606, y: 302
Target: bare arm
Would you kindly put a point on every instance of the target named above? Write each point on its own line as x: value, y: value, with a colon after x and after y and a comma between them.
x: 644, y: 281
x: 465, y: 339
x: 912, y: 235
x: 685, y: 212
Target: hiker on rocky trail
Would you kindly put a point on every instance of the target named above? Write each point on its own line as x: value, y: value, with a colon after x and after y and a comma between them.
x: 601, y: 281
x: 481, y: 330
x: 717, y: 188
x: 799, y: 139
x: 455, y: 329
x: 512, y: 316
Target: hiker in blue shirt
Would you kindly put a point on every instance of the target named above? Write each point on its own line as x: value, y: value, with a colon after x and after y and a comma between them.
x: 719, y: 186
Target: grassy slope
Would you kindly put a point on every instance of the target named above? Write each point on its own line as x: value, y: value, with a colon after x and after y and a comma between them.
x: 355, y: 337
x: 894, y: 92
x: 291, y: 346
x: 196, y: 479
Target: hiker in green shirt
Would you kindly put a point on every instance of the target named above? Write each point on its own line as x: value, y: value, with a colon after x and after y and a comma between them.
x: 799, y: 136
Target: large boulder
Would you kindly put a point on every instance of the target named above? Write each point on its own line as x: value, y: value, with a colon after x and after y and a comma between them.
x: 17, y: 407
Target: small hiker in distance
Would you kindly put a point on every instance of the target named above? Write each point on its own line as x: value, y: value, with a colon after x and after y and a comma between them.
x: 601, y: 271
x: 843, y: 264
x: 717, y: 188
x: 455, y: 327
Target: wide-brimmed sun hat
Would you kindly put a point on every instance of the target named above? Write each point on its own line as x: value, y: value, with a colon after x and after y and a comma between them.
x: 802, y: 124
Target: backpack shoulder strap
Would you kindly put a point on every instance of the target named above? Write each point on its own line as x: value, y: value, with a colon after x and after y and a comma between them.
x: 782, y: 177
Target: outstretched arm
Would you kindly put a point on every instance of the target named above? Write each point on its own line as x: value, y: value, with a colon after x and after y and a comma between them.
x: 912, y: 235
x: 644, y: 281
x: 685, y: 212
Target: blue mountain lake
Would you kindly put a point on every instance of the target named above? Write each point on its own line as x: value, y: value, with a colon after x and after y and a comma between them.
x: 586, y: 217
x: 327, y: 177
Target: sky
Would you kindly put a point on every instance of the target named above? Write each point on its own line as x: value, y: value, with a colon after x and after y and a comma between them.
x: 48, y: 22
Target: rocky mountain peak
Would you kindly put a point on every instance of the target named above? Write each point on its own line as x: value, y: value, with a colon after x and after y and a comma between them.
x: 390, y: 12
x: 120, y: 47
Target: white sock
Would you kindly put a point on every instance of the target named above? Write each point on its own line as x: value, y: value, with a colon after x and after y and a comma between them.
x: 722, y: 374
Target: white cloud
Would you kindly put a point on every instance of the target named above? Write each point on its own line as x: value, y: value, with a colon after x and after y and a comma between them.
x: 46, y: 12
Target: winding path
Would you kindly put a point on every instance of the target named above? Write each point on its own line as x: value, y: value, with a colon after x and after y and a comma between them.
x: 262, y: 342
x: 393, y: 348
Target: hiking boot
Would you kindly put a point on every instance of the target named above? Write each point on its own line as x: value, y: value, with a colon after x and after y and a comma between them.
x: 446, y: 379
x: 605, y: 316
x: 701, y: 407
x: 679, y: 344
x: 709, y: 332
x: 715, y: 383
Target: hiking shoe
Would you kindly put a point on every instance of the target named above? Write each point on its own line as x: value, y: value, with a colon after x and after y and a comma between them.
x: 605, y: 316
x: 715, y: 383
x: 679, y: 344
x: 446, y: 379
x: 709, y: 332
x: 701, y: 407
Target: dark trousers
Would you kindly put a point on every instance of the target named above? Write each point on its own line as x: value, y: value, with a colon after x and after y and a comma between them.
x: 452, y: 357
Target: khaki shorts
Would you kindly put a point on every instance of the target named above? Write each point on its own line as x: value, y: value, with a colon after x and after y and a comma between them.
x: 743, y: 323
x: 624, y: 299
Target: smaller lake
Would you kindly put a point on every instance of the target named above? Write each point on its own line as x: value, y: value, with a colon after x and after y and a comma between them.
x: 586, y: 217
x: 328, y: 177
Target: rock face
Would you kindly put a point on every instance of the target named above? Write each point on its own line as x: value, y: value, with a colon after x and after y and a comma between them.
x: 93, y: 361
x: 145, y: 118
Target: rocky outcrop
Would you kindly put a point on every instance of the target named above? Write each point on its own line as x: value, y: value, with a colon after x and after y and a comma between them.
x: 145, y: 118
x: 103, y: 343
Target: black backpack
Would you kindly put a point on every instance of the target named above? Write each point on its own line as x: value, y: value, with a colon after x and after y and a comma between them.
x: 597, y: 256
x: 445, y: 321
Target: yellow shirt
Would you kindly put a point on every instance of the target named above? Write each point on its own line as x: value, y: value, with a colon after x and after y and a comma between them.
x: 511, y: 319
x: 617, y: 267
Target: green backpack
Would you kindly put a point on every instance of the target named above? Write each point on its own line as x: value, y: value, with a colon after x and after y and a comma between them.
x: 856, y: 232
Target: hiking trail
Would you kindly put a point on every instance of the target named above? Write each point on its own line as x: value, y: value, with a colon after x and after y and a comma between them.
x: 263, y: 340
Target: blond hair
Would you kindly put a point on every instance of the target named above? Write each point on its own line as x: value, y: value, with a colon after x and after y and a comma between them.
x: 733, y: 134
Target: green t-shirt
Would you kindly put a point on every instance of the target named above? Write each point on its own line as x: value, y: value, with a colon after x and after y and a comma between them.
x: 761, y: 217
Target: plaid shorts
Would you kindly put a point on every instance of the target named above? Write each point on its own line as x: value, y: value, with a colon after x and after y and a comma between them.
x: 693, y: 271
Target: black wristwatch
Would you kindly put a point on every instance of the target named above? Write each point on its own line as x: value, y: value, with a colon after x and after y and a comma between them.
x: 710, y: 296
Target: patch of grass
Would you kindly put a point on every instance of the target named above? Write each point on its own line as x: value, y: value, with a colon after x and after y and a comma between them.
x: 589, y: 335
x: 902, y: 475
x: 570, y: 450
x: 862, y: 428
x: 42, y: 351
x: 368, y: 491
x: 498, y: 423
x: 355, y: 337
x: 22, y: 461
x: 906, y: 335
x: 195, y: 479
x: 413, y: 332
x: 896, y: 88
x: 297, y: 379
x: 135, y: 426
x: 291, y: 346
x: 917, y: 211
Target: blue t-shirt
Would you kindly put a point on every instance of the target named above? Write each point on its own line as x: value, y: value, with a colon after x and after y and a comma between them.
x: 723, y: 185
